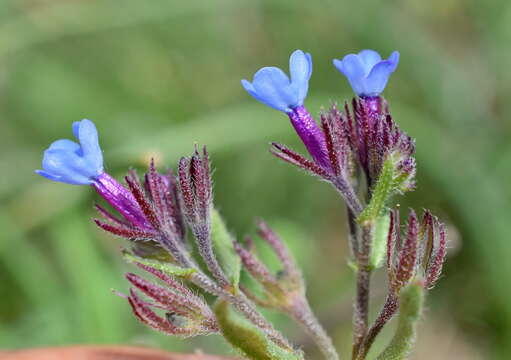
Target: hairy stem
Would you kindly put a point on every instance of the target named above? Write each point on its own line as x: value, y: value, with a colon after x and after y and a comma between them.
x: 302, y: 314
x: 361, y: 311
x: 353, y: 238
x: 411, y: 303
x: 348, y: 193
x: 238, y: 299
x: 205, y: 246
x: 387, y: 312
x: 244, y: 306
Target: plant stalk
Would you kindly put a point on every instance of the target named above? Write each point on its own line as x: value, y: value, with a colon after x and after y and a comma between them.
x: 361, y: 308
x: 302, y: 314
x: 387, y: 312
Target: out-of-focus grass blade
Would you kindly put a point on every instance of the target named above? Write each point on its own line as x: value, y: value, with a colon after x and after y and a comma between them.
x: 54, y: 198
x: 26, y: 263
x: 60, y: 19
x: 232, y: 128
x: 98, y: 313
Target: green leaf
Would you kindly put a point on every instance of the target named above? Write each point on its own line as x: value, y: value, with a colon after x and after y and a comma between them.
x: 411, y: 302
x: 379, y: 248
x: 381, y: 193
x: 391, y: 180
x: 246, y: 338
x: 224, y: 250
x: 165, y: 267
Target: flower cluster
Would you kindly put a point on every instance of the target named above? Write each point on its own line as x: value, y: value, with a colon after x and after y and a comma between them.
x: 358, y: 148
x: 363, y: 153
x: 362, y: 137
x: 155, y: 213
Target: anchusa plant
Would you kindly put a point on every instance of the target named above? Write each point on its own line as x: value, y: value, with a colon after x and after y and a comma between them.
x: 357, y: 147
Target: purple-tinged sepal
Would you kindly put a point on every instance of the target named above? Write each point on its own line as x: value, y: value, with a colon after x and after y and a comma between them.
x: 151, y: 212
x: 274, y: 88
x: 420, y: 254
x: 196, y: 188
x: 285, y: 290
x: 197, y: 197
x: 366, y: 72
x: 382, y: 150
x: 282, y: 290
x: 74, y: 163
x: 184, y: 313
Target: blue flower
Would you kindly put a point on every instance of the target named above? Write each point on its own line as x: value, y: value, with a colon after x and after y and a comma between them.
x: 72, y: 163
x: 367, y: 72
x: 272, y: 86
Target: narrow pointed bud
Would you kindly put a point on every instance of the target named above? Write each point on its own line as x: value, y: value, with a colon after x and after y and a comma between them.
x: 126, y: 232
x: 196, y: 188
x: 185, y: 186
x: 296, y: 159
x: 107, y: 215
x: 144, y: 204
x: 283, y: 290
x: 196, y: 192
x: 407, y: 263
x: 434, y: 268
x: 393, y: 238
x: 332, y: 149
x: 279, y: 248
x: 186, y: 314
x: 422, y: 253
x: 255, y: 267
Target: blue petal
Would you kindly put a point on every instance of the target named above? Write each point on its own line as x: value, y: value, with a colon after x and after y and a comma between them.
x: 274, y: 88
x: 300, y: 68
x: 366, y: 72
x: 48, y: 175
x: 378, y: 77
x: 72, y: 163
x: 247, y: 85
x: 76, y: 129
x: 353, y: 68
x: 68, y: 166
x: 394, y: 59
x: 64, y: 144
x: 369, y: 58
x: 88, y: 136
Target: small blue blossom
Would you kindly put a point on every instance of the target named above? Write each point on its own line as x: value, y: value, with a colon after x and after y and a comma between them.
x: 78, y: 164
x: 272, y: 86
x: 367, y: 72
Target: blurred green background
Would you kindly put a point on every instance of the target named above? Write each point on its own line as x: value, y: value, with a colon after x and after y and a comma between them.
x: 157, y: 76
